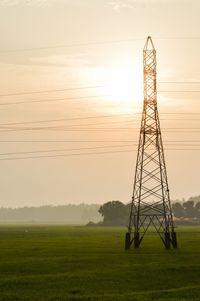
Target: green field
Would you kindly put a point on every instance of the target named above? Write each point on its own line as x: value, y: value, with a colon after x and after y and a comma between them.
x: 40, y: 263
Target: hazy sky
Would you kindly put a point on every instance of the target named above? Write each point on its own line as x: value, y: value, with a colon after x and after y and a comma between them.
x: 103, y: 42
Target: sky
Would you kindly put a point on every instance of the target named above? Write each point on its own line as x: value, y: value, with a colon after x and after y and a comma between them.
x: 85, y: 58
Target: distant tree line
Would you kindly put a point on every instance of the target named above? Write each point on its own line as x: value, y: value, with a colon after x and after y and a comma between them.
x: 67, y: 214
x: 116, y: 213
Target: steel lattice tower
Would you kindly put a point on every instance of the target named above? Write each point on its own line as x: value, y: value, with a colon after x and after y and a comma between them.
x: 151, y: 200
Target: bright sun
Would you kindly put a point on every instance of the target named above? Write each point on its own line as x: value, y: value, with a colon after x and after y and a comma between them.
x: 122, y: 86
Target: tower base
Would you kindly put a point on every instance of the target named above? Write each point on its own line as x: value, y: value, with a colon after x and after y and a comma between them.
x: 174, y: 240
x: 127, y: 241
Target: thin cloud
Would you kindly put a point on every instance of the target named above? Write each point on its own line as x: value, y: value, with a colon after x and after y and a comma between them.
x: 70, y: 60
x: 120, y: 4
x: 130, y: 4
x: 39, y: 3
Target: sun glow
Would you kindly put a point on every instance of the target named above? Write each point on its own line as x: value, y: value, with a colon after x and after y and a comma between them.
x: 122, y: 88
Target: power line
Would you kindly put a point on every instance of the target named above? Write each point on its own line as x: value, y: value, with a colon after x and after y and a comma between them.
x: 71, y: 129
x: 180, y: 119
x: 90, y: 141
x: 69, y: 45
x: 177, y: 38
x: 76, y: 125
x: 68, y: 119
x: 182, y: 149
x: 66, y: 141
x: 178, y: 91
x: 179, y: 113
x: 87, y: 148
x: 77, y: 98
x: 93, y: 44
x: 96, y: 117
x: 88, y: 124
x: 176, y: 82
x: 64, y: 155
x: 51, y: 100
x: 86, y: 154
x: 65, y: 150
x: 101, y: 116
x: 50, y: 91
x: 78, y: 88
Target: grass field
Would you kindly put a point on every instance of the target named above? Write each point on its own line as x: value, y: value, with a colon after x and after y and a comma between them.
x: 43, y: 263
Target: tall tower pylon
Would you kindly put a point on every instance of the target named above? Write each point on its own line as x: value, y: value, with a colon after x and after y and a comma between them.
x: 151, y: 204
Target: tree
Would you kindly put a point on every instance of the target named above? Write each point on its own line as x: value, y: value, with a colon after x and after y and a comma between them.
x: 178, y: 210
x: 114, y: 213
x: 190, y: 210
x: 197, y: 206
x: 195, y: 199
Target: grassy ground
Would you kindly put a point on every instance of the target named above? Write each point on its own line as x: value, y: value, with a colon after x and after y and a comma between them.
x: 57, y: 263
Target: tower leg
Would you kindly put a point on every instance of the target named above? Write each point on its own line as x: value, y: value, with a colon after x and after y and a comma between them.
x: 127, y: 241
x: 174, y: 240
x: 167, y: 240
x: 137, y: 240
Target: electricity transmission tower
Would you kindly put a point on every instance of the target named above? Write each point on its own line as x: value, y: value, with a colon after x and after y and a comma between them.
x: 151, y: 201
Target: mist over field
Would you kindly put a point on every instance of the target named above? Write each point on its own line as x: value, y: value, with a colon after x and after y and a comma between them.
x: 68, y: 214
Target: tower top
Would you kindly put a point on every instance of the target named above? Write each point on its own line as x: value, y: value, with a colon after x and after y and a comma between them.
x: 149, y: 44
